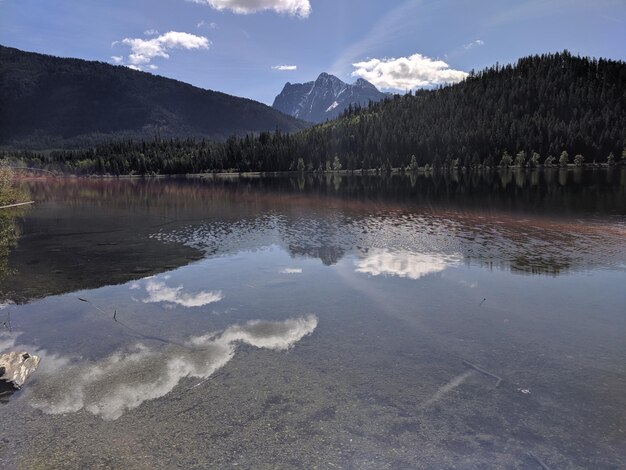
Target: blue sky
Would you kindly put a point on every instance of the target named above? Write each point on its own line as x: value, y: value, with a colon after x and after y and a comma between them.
x: 233, y: 45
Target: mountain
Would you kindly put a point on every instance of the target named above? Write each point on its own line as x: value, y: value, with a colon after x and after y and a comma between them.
x: 544, y: 104
x: 325, y: 98
x: 48, y: 101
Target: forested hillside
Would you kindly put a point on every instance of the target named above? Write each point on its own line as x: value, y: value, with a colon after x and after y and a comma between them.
x: 49, y: 102
x: 533, y: 111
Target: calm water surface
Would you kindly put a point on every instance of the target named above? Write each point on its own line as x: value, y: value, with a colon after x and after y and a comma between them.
x: 319, y: 322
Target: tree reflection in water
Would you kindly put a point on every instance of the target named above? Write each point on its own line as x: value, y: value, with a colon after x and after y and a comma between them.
x: 10, y: 193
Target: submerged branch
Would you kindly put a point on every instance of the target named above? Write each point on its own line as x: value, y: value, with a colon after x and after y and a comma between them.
x: 539, y: 461
x: 17, y: 204
x: 137, y: 333
x: 485, y: 372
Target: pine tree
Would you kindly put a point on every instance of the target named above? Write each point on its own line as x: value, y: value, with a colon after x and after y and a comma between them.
x: 337, y: 164
x: 534, y: 160
x: 506, y: 160
x: 578, y: 160
x: 610, y: 159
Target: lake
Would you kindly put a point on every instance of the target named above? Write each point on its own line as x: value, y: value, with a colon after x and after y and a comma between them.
x: 468, y: 320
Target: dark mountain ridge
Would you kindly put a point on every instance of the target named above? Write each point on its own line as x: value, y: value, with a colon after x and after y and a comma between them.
x: 47, y: 100
x: 325, y: 98
x: 551, y: 105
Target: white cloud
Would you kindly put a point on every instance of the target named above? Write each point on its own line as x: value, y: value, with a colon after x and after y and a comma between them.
x: 477, y: 42
x: 123, y: 381
x: 204, y: 24
x: 285, y: 68
x: 151, y: 32
x: 153, y: 67
x: 135, y: 67
x: 159, y: 292
x: 407, y: 73
x: 117, y: 59
x: 291, y: 271
x: 402, y: 264
x: 142, y: 51
x: 301, y: 8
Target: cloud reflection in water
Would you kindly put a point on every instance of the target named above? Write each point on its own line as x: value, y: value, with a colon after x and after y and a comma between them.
x: 125, y: 380
x: 403, y: 263
x: 50, y: 363
x: 291, y: 271
x: 160, y: 292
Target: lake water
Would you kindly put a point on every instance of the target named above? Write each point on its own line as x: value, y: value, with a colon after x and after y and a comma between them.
x: 319, y: 322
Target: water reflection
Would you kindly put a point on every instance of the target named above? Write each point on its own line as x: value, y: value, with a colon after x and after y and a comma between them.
x: 523, y: 245
x: 50, y: 363
x: 403, y: 263
x: 159, y: 292
x: 123, y: 381
x: 9, y: 235
x: 7, y: 341
x: 524, y: 221
x: 384, y: 368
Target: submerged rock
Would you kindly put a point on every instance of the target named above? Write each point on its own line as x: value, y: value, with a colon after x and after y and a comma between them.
x: 15, y: 367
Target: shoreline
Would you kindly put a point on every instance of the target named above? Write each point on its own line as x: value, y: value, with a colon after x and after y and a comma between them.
x: 359, y: 172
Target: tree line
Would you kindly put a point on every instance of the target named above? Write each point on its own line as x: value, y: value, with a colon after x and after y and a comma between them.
x: 546, y: 110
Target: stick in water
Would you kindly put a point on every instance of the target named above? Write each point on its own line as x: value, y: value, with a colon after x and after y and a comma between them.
x: 539, y: 461
x: 17, y: 204
x: 94, y: 306
x: 7, y: 323
x: 137, y: 332
x: 483, y: 371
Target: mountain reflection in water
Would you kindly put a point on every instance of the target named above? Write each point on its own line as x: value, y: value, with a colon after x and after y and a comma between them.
x: 526, y: 221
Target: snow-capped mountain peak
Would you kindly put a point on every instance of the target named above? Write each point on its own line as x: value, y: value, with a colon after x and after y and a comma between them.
x: 325, y: 98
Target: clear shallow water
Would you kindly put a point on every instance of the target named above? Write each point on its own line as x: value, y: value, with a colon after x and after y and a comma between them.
x: 320, y: 322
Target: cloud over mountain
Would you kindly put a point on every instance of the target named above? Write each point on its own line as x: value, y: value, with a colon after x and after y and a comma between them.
x: 285, y: 68
x: 406, y: 73
x: 142, y: 51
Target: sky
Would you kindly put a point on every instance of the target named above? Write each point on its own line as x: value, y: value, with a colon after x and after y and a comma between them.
x: 251, y: 48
